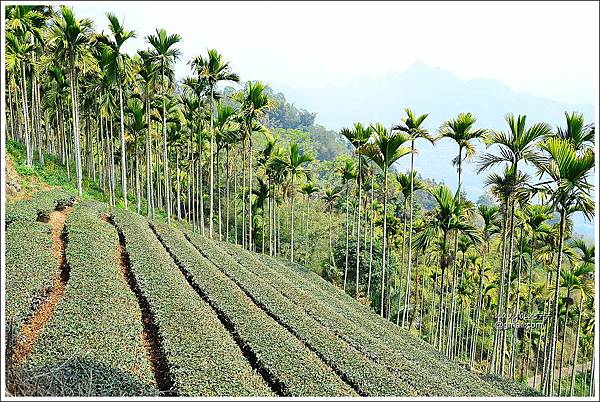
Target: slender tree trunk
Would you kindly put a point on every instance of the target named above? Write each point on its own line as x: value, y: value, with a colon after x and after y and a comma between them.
x: 552, y: 354
x: 410, y: 230
x: 250, y: 220
x: 508, y: 286
x: 371, y: 240
x: 452, y: 297
x: 218, y: 185
x: 479, y: 305
x: 74, y: 102
x: 577, y: 329
x: 292, y: 217
x: 347, y: 237
x: 201, y: 184
x: 138, y: 191
x: 358, y: 228
x: 497, y: 335
x: 123, y: 163
x: 148, y: 161
x: 211, y: 169
x: 562, y: 344
x: 227, y: 197
x: 178, y: 185
x: 443, y: 265
x: 383, y: 261
x: 29, y: 159
x: 165, y: 154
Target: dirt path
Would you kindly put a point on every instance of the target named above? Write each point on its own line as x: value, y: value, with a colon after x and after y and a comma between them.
x: 150, y: 333
x: 36, y: 323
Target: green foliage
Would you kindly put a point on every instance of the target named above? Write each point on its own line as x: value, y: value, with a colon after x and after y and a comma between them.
x: 402, y: 354
x: 97, y: 315
x: 30, y: 267
x: 510, y: 387
x: 339, y: 255
x: 289, y: 361
x: 40, y: 204
x: 172, y: 302
x: 370, y: 379
x: 52, y: 173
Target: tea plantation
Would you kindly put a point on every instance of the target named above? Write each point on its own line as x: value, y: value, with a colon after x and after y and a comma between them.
x: 150, y: 309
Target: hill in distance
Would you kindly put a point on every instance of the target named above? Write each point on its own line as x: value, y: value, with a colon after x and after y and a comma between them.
x: 442, y: 95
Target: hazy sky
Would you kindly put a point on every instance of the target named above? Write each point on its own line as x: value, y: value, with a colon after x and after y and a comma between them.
x: 545, y: 49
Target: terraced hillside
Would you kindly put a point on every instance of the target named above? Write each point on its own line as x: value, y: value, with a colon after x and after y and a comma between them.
x: 103, y: 302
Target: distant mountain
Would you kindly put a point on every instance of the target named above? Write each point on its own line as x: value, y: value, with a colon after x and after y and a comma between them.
x: 441, y: 94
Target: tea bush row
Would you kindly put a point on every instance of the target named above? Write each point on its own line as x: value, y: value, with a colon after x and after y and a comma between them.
x: 30, y: 268
x: 428, y: 373
x: 382, y: 329
x: 368, y: 377
x: 96, y: 327
x: 202, y: 358
x: 41, y: 203
x: 291, y: 367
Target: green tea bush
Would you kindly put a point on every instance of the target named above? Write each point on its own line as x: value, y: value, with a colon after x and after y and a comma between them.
x: 295, y: 369
x: 93, y: 343
x: 30, y: 268
x: 408, y: 372
x: 421, y: 367
x: 41, y: 203
x: 510, y: 387
x: 202, y: 357
x: 368, y: 377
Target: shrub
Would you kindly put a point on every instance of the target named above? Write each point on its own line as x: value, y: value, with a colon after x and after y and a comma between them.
x: 93, y: 343
x: 366, y: 376
x: 30, y: 268
x: 510, y: 387
x: 202, y: 358
x: 40, y: 204
x: 295, y: 369
x: 413, y: 360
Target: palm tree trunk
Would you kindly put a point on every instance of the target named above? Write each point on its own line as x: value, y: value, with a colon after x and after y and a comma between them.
x: 562, y: 344
x: 443, y: 265
x: 218, y: 188
x: 148, y: 162
x: 497, y: 335
x: 552, y: 354
x: 347, y: 237
x: 330, y: 240
x: 577, y: 328
x: 138, y: 195
x: 292, y: 217
x: 244, y: 240
x: 250, y: 221
x: 74, y: 101
x: 211, y: 169
x: 123, y: 163
x: 178, y: 185
x: 371, y: 240
x: 29, y: 159
x: 508, y: 286
x: 402, y: 253
x: 479, y: 306
x: 227, y: 197
x: 201, y: 184
x: 383, y: 261
x: 451, y: 327
x: 410, y: 230
x: 358, y: 229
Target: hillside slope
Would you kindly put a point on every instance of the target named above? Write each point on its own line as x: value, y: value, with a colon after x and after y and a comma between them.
x: 142, y: 308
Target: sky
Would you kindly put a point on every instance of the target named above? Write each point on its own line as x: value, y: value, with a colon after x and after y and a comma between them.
x: 546, y: 49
